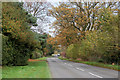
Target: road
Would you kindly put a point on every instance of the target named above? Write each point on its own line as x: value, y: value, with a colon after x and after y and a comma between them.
x: 67, y: 69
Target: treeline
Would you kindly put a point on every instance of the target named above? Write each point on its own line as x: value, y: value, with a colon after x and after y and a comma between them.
x: 87, y: 31
x: 19, y: 42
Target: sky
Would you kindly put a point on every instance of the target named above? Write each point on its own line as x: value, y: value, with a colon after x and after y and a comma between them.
x: 52, y: 19
x: 46, y: 26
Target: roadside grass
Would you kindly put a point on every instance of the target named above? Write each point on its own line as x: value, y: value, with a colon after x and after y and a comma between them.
x: 114, y: 67
x: 43, y: 58
x: 0, y: 72
x: 35, y: 69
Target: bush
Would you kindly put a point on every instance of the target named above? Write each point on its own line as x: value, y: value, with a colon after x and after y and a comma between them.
x: 97, y: 46
x: 94, y: 45
x: 36, y: 54
x: 72, y: 51
x: 7, y: 51
x: 14, y: 54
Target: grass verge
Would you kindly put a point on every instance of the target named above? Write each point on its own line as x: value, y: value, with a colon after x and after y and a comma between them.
x: 35, y: 69
x: 43, y: 58
x: 114, y: 67
x: 0, y: 72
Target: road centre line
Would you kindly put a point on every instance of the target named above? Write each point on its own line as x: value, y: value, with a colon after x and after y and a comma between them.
x: 68, y: 64
x: 76, y: 68
x: 80, y: 69
x: 95, y: 75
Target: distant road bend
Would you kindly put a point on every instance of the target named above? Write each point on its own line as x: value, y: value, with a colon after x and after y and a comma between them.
x: 67, y: 69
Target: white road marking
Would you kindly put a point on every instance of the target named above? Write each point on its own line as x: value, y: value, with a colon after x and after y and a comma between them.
x: 80, y: 69
x: 95, y: 75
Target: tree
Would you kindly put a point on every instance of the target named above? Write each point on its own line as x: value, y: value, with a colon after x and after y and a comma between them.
x: 78, y: 17
x: 18, y: 39
x: 100, y: 45
x: 91, y: 25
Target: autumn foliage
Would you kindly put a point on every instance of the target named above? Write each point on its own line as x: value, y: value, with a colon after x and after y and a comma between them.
x: 18, y: 40
x: 87, y: 30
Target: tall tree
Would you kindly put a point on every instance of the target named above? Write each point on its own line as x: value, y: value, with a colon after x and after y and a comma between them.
x: 18, y: 39
x: 79, y: 17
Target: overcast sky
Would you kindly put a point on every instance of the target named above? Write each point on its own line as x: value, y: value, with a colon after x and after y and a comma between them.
x: 46, y: 26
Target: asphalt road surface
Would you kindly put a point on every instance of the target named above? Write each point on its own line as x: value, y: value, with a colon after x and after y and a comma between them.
x: 67, y: 69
